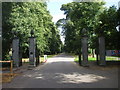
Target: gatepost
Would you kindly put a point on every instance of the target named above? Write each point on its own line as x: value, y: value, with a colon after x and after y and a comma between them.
x: 15, y: 51
x: 84, y: 49
x: 32, y: 47
x: 102, y: 60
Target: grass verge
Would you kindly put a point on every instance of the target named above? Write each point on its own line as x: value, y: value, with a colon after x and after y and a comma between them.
x: 26, y: 60
x: 108, y: 58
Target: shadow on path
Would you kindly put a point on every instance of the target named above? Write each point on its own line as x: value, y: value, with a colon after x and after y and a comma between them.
x: 62, y: 72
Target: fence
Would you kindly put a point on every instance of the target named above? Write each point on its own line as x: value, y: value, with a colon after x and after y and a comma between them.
x: 11, y: 66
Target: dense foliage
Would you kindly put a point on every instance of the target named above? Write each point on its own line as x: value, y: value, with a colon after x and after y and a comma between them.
x: 108, y: 24
x: 95, y: 18
x: 78, y: 16
x: 24, y: 17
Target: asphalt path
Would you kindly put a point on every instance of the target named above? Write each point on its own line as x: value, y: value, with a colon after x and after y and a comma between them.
x: 62, y: 72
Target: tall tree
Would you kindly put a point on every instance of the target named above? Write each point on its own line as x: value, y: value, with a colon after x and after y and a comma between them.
x: 24, y: 17
x: 80, y: 15
x: 107, y: 27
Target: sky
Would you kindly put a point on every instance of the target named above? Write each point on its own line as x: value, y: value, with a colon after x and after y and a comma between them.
x: 55, y: 5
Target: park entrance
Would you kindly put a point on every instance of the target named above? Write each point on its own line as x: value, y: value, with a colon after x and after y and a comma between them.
x: 34, y: 54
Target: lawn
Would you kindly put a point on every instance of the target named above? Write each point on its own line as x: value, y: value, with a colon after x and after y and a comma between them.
x: 108, y: 58
x: 26, y: 60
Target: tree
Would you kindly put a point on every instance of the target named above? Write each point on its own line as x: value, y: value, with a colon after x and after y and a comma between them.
x: 108, y: 27
x: 80, y: 15
x: 24, y: 17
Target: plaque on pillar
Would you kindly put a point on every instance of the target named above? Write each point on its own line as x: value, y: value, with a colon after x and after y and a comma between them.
x: 84, y: 49
x: 32, y: 47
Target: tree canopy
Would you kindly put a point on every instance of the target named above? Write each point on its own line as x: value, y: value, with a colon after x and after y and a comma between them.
x: 95, y: 18
x: 24, y: 17
x: 78, y: 16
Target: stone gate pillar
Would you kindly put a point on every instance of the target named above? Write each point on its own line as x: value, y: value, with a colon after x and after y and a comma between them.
x: 32, y: 47
x: 15, y: 52
x: 84, y: 49
x: 102, y: 60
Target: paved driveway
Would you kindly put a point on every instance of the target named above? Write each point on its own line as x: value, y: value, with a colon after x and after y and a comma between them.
x: 62, y: 72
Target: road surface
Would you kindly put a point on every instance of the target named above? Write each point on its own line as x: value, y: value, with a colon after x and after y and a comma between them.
x: 62, y: 72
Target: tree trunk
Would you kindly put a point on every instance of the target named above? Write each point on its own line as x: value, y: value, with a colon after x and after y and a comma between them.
x: 97, y: 54
x: 93, y: 53
x: 79, y: 56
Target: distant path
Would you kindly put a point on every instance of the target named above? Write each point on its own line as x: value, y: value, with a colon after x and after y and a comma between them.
x: 61, y: 72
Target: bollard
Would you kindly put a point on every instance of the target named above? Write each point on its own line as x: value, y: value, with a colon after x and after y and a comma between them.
x: 45, y: 58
